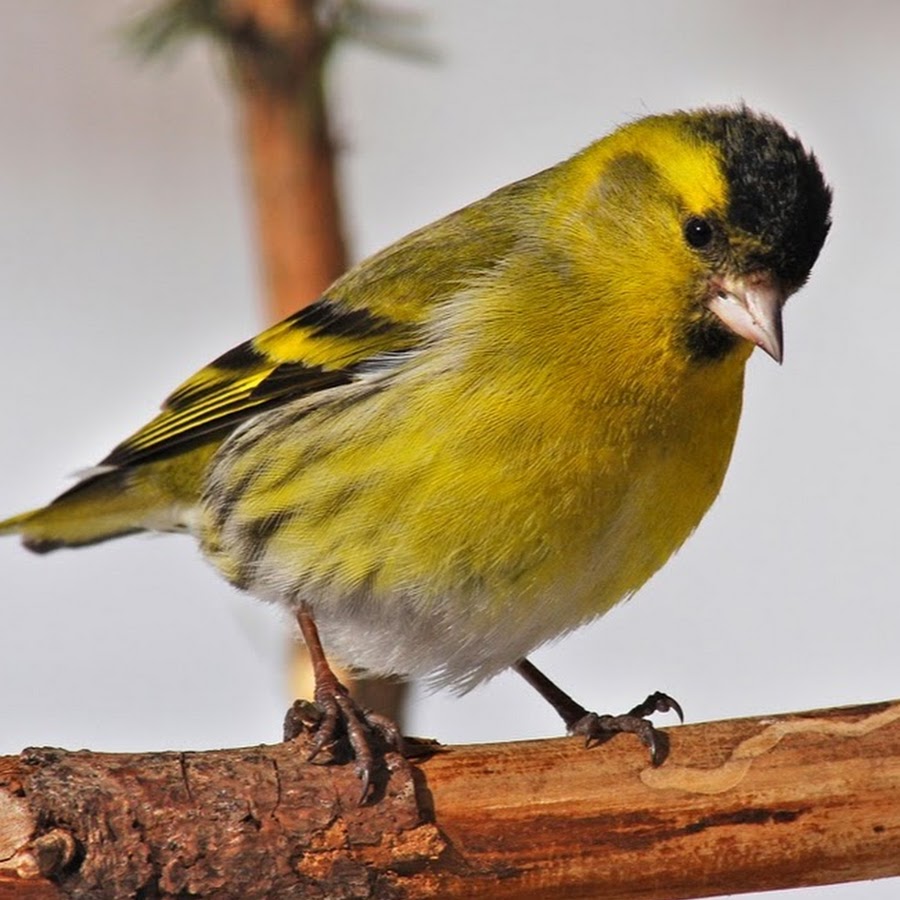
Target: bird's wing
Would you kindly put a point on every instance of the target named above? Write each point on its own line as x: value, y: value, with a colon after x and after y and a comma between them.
x: 312, y: 350
x: 375, y: 310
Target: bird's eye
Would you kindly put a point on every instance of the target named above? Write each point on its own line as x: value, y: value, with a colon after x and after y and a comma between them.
x: 698, y: 232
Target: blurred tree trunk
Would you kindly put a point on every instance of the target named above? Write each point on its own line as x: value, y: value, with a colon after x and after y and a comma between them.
x: 280, y: 53
x: 278, y: 50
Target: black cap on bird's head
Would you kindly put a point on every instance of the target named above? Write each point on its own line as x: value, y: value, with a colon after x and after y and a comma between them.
x: 777, y: 192
x: 777, y: 217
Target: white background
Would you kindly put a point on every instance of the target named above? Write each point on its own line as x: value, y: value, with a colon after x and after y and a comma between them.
x: 126, y: 262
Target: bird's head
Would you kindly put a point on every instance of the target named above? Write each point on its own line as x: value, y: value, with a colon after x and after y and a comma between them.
x: 723, y: 204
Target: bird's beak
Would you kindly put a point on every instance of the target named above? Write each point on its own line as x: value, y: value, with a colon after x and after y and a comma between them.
x: 750, y: 306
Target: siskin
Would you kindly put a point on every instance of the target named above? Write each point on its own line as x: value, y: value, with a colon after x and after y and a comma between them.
x: 495, y: 429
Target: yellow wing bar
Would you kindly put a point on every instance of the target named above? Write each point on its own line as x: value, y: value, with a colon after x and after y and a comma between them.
x: 315, y: 349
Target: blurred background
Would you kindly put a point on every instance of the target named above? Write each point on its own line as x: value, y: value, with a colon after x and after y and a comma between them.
x: 127, y: 260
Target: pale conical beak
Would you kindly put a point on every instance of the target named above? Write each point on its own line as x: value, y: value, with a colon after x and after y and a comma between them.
x: 750, y: 306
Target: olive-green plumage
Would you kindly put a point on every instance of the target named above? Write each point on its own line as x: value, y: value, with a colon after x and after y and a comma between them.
x: 499, y: 426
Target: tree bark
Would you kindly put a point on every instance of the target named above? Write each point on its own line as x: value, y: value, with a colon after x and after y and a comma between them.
x: 748, y: 804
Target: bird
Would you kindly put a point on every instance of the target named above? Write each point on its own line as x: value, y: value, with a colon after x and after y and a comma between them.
x: 492, y: 431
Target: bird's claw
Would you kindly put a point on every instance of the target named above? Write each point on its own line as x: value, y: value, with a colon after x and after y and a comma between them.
x: 657, y: 702
x: 597, y: 729
x: 335, y: 716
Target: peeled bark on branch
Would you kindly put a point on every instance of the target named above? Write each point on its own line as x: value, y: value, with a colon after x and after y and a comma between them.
x: 741, y: 805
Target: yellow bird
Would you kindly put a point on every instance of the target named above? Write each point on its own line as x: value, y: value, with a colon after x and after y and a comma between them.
x: 495, y: 429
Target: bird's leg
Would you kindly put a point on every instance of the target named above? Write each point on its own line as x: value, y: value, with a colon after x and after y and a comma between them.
x: 367, y: 733
x: 597, y: 728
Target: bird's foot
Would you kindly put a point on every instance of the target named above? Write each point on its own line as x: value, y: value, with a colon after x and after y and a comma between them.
x: 337, y: 722
x: 598, y: 729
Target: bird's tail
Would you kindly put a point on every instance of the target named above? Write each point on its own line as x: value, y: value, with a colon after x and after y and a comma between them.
x: 111, y: 501
x: 104, y: 505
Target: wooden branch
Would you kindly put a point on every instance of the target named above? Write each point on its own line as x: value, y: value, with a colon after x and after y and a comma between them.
x: 742, y: 805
